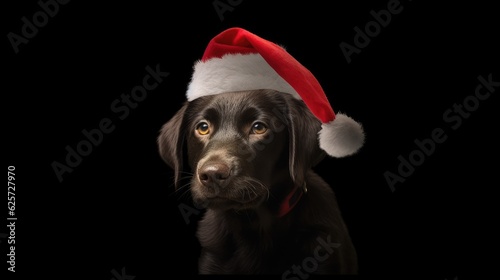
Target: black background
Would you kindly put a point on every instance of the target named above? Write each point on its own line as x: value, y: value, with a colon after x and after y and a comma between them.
x: 118, y: 209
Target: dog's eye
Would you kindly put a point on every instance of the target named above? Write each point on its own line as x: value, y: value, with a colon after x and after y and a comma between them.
x: 258, y: 128
x: 203, y: 128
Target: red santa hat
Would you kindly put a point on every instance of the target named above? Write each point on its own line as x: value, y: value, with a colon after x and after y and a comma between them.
x: 237, y: 60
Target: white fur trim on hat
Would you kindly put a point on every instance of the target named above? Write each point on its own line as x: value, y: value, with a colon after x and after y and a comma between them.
x: 341, y: 137
x: 235, y: 72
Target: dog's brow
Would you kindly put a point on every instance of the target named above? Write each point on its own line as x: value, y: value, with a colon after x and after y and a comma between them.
x: 210, y: 114
x: 248, y: 115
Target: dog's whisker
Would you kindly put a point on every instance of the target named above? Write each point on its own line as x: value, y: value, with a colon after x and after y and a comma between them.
x: 190, y: 174
x: 184, y: 187
x: 246, y: 187
x: 184, y: 179
x: 265, y: 188
x: 254, y: 183
x: 262, y: 186
x: 182, y: 191
x: 183, y: 194
x: 252, y: 187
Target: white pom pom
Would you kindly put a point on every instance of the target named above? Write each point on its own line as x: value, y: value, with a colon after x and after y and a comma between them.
x: 341, y: 137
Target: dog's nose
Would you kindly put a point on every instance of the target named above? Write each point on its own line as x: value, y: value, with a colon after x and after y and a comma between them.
x: 213, y: 173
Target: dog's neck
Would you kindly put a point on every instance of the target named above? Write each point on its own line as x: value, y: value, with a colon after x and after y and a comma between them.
x: 272, y: 212
x: 290, y: 200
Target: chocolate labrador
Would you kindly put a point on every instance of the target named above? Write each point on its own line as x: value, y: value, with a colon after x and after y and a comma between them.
x: 267, y: 212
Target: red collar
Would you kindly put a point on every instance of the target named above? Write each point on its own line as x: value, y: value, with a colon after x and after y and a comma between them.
x: 290, y: 201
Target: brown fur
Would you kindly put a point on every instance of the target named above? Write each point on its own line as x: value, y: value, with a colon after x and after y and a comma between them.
x: 241, y: 178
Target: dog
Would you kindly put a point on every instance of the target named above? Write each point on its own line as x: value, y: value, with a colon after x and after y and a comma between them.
x: 251, y: 154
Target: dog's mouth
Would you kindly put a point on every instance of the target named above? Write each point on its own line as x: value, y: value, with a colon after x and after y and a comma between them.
x: 241, y: 193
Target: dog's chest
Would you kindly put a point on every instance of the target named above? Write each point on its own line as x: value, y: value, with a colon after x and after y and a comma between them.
x: 249, y: 251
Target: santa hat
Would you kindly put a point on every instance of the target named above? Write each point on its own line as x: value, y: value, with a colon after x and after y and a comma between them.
x: 237, y: 60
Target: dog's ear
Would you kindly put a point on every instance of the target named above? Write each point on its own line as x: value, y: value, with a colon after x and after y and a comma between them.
x: 171, y: 142
x: 304, y: 150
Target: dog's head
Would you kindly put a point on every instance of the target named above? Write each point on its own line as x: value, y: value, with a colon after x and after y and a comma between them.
x: 242, y: 147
